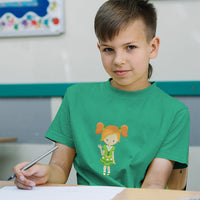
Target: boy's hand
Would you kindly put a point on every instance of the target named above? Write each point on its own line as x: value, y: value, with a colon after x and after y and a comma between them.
x: 35, y: 175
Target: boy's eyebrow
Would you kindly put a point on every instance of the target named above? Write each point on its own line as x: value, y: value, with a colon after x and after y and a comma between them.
x: 101, y: 44
x: 127, y: 43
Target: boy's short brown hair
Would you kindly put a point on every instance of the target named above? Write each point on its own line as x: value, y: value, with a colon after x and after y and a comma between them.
x: 114, y: 15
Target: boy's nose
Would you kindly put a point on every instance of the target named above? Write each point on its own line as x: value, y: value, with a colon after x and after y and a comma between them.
x: 119, y: 58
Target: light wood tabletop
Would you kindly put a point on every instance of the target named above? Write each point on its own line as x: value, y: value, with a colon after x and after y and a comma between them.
x: 4, y: 140
x: 6, y: 183
x: 139, y: 194
x: 155, y: 194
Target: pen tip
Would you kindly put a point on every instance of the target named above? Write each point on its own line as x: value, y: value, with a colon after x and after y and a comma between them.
x: 11, y: 177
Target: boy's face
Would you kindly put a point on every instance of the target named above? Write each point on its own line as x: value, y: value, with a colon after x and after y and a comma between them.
x: 126, y: 57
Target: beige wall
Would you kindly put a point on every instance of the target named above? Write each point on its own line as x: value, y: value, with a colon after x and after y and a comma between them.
x: 69, y: 57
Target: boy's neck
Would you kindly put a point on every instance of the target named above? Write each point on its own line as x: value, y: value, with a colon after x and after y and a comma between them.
x: 132, y: 87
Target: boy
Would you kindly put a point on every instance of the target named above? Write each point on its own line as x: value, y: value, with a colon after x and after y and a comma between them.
x: 155, y: 126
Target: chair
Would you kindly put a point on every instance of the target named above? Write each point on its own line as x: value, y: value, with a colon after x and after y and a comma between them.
x: 178, y: 179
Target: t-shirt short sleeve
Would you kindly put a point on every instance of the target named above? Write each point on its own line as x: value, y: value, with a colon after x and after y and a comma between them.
x: 60, y: 128
x: 175, y: 145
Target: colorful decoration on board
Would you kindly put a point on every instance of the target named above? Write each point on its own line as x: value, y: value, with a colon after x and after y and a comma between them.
x: 31, y: 17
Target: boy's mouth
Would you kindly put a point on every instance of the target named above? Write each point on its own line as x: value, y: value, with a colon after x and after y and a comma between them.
x: 121, y: 73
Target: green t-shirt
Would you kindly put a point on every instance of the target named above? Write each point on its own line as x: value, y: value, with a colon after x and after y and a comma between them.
x: 158, y: 126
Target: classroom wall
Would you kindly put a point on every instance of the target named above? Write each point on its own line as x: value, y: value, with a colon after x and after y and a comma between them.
x: 74, y: 57
x: 179, y: 32
x: 70, y: 57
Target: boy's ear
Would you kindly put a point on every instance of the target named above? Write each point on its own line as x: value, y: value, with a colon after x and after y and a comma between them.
x: 155, y: 43
x: 98, y: 45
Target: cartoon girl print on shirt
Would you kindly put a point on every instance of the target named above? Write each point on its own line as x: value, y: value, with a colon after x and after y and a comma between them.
x: 110, y: 136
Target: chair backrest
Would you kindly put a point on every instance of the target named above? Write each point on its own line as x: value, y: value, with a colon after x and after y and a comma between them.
x: 178, y: 179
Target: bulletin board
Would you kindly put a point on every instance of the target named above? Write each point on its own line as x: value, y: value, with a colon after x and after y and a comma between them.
x: 31, y: 17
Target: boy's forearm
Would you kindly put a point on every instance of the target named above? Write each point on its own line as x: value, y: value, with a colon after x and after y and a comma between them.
x: 60, y: 164
x: 153, y: 186
x: 57, y: 174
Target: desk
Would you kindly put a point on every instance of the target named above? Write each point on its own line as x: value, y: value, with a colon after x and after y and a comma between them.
x: 138, y: 194
x: 6, y: 183
x: 155, y: 194
x: 3, y: 140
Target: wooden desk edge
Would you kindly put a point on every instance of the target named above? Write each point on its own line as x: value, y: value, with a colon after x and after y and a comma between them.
x: 4, y: 140
x: 11, y: 183
x: 6, y: 183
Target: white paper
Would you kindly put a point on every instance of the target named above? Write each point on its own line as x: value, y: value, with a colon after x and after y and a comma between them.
x: 190, y: 199
x: 61, y: 193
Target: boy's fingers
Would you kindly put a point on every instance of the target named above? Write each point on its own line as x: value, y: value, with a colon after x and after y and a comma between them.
x: 29, y: 172
x: 35, y: 171
x: 17, y: 169
x: 21, y: 180
x: 24, y: 184
x: 35, y: 175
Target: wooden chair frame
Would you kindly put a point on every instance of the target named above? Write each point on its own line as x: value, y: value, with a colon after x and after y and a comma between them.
x: 178, y: 179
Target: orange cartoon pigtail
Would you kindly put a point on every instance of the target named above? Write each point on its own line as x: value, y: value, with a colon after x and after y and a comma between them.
x: 124, y: 130
x: 99, y: 128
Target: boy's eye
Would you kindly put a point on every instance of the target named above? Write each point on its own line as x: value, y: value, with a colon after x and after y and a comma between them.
x: 107, y: 50
x: 131, y: 47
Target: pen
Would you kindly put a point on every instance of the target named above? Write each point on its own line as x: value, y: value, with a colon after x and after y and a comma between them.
x: 34, y: 161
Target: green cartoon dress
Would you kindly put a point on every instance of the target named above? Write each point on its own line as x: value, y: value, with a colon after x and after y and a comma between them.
x: 107, y: 159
